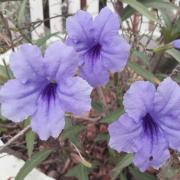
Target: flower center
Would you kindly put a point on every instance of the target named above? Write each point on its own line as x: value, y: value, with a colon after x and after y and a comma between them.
x: 49, y: 92
x: 94, y: 51
x: 150, y: 126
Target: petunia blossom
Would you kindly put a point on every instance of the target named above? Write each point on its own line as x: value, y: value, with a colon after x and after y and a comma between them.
x: 176, y: 43
x: 150, y: 124
x: 98, y: 43
x: 44, y: 88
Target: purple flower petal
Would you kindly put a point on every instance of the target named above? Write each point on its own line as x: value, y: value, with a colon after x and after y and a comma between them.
x: 151, y: 154
x: 171, y: 128
x: 48, y: 120
x: 98, y: 44
x: 167, y: 98
x: 123, y: 134
x: 138, y: 99
x: 27, y: 63
x: 176, y: 43
x: 18, y: 100
x: 79, y: 28
x: 94, y: 72
x: 61, y: 61
x: 106, y: 25
x: 167, y: 103
x: 115, y: 54
x: 156, y: 115
x: 37, y: 90
x: 74, y: 95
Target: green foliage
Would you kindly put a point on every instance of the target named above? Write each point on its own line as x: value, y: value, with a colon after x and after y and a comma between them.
x: 175, y: 54
x: 102, y: 137
x: 112, y: 116
x: 139, y: 175
x: 141, y: 9
x: 143, y: 57
x: 79, y: 171
x: 123, y: 163
x: 32, y: 163
x: 98, y: 106
x: 143, y: 72
x: 71, y: 132
x: 30, y: 139
x: 145, y: 4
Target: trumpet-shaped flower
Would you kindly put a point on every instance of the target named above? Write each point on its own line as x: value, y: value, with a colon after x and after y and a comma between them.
x: 99, y: 45
x: 44, y: 88
x: 150, y: 125
x: 176, y: 43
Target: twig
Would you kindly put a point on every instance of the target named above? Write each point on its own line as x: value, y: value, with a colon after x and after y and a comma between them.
x: 15, y: 138
x: 6, y: 25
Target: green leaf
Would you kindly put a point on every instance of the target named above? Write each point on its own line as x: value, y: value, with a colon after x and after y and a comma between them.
x: 143, y: 72
x: 143, y: 57
x: 124, y: 162
x: 98, y: 106
x: 32, y: 163
x: 42, y: 41
x: 21, y: 12
x: 112, y: 116
x: 141, y: 9
x: 139, y: 175
x: 78, y: 171
x: 30, y: 139
x: 71, y: 132
x: 157, y: 4
x: 175, y: 54
x: 102, y: 137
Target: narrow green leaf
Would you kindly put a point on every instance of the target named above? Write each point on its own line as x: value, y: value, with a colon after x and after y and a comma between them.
x: 21, y: 11
x: 30, y: 138
x: 79, y: 171
x: 73, y: 131
x: 98, y: 106
x: 141, y: 9
x: 157, y: 4
x: 101, y: 137
x: 42, y: 41
x: 175, y: 54
x: 112, y: 116
x: 143, y: 57
x: 32, y: 163
x: 139, y: 175
x: 143, y: 72
x: 124, y: 162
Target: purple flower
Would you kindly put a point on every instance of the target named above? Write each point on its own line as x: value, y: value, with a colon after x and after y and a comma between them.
x: 99, y: 45
x: 176, y: 43
x: 44, y: 88
x: 150, y: 125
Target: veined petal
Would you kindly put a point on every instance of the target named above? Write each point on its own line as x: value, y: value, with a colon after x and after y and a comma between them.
x: 152, y: 153
x: 123, y: 134
x: 167, y: 99
x: 48, y: 120
x: 18, y: 101
x: 115, y: 54
x: 138, y: 99
x: 171, y: 129
x: 74, y: 95
x: 93, y: 71
x: 79, y: 28
x: 60, y: 60
x: 26, y: 63
x: 106, y: 25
